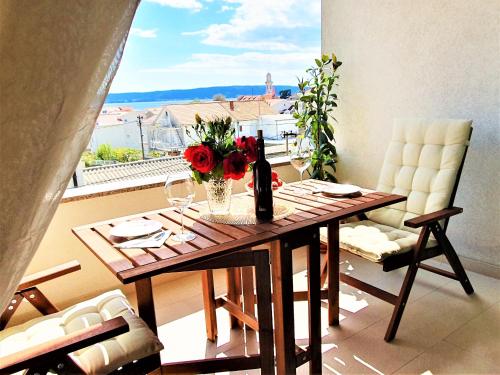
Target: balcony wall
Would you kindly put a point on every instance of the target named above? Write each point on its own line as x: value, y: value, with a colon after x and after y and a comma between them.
x: 60, y: 245
x: 427, y: 58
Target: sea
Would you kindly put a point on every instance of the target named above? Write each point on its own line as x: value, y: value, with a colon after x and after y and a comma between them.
x: 143, y: 105
x: 139, y: 106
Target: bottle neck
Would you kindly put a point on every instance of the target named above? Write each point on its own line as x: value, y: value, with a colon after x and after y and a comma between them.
x: 261, y: 153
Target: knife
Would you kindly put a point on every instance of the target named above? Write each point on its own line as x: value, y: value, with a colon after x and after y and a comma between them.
x: 154, y: 241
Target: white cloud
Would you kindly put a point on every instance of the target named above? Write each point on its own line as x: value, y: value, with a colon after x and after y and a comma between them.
x: 249, y: 68
x: 193, y: 5
x: 254, y: 24
x: 225, y: 8
x: 143, y: 33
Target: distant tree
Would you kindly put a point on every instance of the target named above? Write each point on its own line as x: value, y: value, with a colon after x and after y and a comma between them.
x: 285, y: 94
x: 219, y: 98
x: 156, y: 154
x: 88, y: 158
x: 125, y: 154
x: 104, y: 152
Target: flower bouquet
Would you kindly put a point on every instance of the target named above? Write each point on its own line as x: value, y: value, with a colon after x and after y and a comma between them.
x: 217, y: 158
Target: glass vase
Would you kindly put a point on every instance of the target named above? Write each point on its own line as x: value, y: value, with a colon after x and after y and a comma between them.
x: 219, y: 195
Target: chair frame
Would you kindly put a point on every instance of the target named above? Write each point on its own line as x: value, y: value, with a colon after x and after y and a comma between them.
x: 429, y: 223
x: 53, y: 355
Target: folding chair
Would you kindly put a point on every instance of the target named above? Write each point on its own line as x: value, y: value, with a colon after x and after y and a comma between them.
x: 423, y: 162
x: 98, y: 336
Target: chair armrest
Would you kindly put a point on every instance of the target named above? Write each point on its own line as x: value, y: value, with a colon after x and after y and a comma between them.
x: 39, y: 277
x: 422, y: 220
x: 50, y: 351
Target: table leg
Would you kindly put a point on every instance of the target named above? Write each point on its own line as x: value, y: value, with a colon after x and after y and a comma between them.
x: 234, y: 292
x: 264, y: 309
x: 248, y: 290
x: 314, y: 299
x: 207, y: 281
x: 282, y: 274
x: 145, y: 303
x: 333, y: 273
x: 146, y: 307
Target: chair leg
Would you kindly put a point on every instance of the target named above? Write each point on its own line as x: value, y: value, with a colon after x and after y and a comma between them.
x: 406, y: 287
x: 401, y: 302
x: 34, y: 296
x: 10, y: 310
x: 264, y: 311
x: 207, y: 280
x: 452, y: 257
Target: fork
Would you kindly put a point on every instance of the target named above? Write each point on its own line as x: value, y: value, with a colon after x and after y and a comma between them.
x: 137, y: 241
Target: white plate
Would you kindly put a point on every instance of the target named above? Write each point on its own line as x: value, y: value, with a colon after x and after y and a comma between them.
x: 135, y: 228
x: 341, y: 189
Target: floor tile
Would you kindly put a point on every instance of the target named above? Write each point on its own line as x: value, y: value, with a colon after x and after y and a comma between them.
x: 367, y: 349
x: 445, y: 358
x: 438, y: 310
x: 480, y: 336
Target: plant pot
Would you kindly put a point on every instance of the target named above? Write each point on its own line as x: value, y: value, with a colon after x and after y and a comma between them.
x: 219, y: 195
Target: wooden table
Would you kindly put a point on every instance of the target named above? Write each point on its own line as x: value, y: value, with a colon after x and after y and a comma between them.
x: 215, y: 240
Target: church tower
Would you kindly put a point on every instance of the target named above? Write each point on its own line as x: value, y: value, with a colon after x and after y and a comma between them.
x: 270, y: 92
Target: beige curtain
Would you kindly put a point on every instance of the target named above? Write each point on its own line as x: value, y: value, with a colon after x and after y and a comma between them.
x: 57, y: 60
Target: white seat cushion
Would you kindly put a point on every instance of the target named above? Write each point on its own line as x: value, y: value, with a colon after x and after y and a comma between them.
x: 421, y: 163
x: 374, y: 241
x: 101, y: 358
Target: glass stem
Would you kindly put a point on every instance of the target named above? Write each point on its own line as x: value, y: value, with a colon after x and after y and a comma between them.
x: 182, y: 221
x: 301, y: 174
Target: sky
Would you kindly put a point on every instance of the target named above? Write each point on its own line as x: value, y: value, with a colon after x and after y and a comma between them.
x: 178, y: 44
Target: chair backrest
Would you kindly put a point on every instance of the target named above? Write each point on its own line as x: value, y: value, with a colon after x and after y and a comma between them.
x: 423, y: 162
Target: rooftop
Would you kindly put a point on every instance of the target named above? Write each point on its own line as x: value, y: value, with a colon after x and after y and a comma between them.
x: 238, y: 111
x: 133, y: 170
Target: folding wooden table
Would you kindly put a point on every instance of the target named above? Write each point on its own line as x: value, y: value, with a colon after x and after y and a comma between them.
x: 214, y: 241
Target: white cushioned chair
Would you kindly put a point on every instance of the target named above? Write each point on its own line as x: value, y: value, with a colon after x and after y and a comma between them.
x: 98, y: 336
x: 423, y: 162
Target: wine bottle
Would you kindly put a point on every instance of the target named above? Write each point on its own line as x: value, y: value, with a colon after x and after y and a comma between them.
x: 262, y: 183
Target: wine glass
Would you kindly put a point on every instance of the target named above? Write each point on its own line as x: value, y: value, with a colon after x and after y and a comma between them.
x: 300, y: 159
x: 179, y: 190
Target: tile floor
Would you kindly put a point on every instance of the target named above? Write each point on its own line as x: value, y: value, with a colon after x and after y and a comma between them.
x: 442, y: 331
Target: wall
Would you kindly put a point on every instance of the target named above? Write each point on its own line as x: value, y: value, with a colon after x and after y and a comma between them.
x: 120, y: 135
x: 426, y: 58
x: 59, y: 245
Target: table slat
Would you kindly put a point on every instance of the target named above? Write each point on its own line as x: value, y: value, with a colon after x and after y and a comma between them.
x: 198, y: 242
x: 137, y: 256
x: 113, y: 259
x: 198, y: 227
x: 233, y: 231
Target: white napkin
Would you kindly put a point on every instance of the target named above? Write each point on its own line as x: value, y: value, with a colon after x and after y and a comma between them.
x: 156, y: 240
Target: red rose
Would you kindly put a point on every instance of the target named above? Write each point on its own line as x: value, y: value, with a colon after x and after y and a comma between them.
x: 188, y: 154
x: 202, y: 158
x: 235, y: 165
x: 249, y: 147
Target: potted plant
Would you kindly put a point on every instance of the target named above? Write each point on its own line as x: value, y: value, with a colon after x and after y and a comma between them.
x: 217, y: 159
x: 313, y: 111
